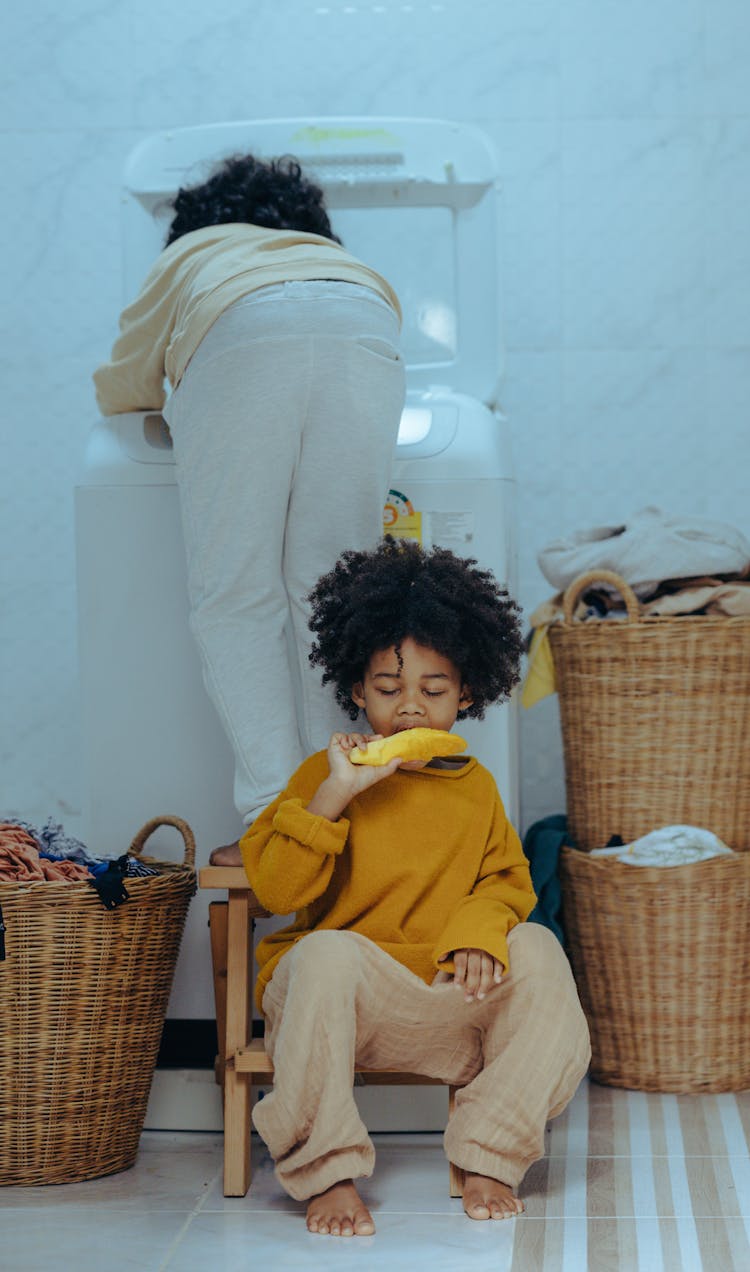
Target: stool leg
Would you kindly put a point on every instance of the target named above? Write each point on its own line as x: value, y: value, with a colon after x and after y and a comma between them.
x: 237, y: 1086
x: 456, y: 1174
x: 217, y: 926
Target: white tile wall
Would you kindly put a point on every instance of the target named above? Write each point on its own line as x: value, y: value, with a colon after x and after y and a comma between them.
x: 624, y: 138
x: 637, y: 60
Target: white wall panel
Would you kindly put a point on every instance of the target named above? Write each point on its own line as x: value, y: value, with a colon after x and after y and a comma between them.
x: 624, y: 138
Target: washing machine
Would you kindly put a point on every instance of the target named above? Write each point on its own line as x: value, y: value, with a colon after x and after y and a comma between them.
x: 419, y: 200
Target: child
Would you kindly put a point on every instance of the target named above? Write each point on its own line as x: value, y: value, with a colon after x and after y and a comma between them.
x: 409, y: 884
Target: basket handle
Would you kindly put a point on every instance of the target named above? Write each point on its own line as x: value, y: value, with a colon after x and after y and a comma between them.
x: 167, y: 819
x: 579, y: 585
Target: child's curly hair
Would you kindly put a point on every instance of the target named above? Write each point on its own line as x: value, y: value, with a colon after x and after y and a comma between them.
x: 272, y: 193
x: 374, y: 600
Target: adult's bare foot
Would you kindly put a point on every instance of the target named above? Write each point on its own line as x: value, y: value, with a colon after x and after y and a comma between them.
x: 339, y: 1212
x: 227, y: 855
x: 486, y: 1198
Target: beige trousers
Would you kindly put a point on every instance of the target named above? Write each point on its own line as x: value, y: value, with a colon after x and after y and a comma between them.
x: 284, y: 429
x: 336, y: 1000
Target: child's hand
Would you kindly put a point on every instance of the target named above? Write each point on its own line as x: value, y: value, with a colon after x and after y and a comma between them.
x: 345, y: 780
x: 358, y: 777
x: 476, y: 972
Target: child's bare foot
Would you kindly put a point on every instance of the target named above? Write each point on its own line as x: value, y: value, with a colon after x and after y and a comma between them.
x: 340, y: 1212
x: 227, y: 855
x: 486, y: 1198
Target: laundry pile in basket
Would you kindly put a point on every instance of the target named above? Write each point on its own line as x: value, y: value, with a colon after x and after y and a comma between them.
x: 648, y: 650
x: 677, y: 845
x: 84, y: 987
x: 674, y: 565
x: 29, y: 853
x: 667, y: 846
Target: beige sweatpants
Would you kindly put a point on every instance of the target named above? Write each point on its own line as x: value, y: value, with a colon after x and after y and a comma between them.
x: 284, y: 429
x: 336, y: 1000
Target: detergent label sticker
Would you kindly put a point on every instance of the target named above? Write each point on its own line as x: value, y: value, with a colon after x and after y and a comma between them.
x: 400, y: 518
x: 454, y: 530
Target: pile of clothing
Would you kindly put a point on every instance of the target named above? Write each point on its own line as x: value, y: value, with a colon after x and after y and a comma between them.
x: 675, y: 845
x: 29, y: 855
x: 674, y: 565
x: 49, y: 853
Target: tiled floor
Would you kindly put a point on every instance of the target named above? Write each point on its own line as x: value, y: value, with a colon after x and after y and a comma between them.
x: 631, y: 1182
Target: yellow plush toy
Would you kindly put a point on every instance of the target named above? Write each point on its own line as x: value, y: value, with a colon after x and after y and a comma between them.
x: 410, y: 744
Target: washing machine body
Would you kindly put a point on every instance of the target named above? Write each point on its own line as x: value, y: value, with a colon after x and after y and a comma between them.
x: 455, y: 488
x: 417, y: 199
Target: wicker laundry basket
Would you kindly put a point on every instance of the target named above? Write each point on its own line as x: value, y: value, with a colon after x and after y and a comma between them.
x: 661, y: 958
x: 83, y: 995
x: 655, y: 716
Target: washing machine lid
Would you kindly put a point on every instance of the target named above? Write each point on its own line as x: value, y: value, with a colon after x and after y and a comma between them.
x: 414, y: 198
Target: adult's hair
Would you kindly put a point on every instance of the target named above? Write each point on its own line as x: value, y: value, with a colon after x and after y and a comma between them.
x: 274, y: 194
x: 375, y: 600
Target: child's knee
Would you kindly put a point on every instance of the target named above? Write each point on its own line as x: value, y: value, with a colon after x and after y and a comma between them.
x: 534, y: 951
x: 326, y: 958
x: 537, y: 957
x: 539, y: 964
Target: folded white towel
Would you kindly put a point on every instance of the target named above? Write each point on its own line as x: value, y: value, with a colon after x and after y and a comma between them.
x: 668, y: 846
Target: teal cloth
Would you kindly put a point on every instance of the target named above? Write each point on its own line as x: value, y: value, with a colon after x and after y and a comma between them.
x: 542, y: 843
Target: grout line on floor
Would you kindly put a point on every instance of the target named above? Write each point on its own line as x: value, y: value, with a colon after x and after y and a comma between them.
x: 195, y: 1210
x: 175, y: 1242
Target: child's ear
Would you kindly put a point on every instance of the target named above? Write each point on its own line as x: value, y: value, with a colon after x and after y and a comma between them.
x: 466, y: 698
x: 358, y: 695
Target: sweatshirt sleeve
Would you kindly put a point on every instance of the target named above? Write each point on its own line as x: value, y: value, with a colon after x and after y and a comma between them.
x: 289, y: 854
x: 502, y: 896
x: 133, y: 379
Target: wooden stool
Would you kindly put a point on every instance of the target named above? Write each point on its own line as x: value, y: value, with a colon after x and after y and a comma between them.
x: 242, y: 1061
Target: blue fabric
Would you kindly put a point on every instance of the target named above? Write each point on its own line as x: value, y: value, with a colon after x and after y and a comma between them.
x: 132, y: 867
x: 542, y: 843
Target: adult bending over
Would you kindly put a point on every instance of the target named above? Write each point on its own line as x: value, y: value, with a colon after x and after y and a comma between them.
x: 281, y: 351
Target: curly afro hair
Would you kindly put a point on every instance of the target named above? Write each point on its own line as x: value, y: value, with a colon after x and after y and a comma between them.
x: 273, y: 194
x: 375, y: 600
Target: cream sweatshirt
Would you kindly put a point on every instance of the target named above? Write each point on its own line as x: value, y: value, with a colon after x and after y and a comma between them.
x: 192, y: 282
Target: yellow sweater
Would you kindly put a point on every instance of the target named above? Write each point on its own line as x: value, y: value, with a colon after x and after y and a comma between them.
x: 192, y: 282
x: 424, y: 863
